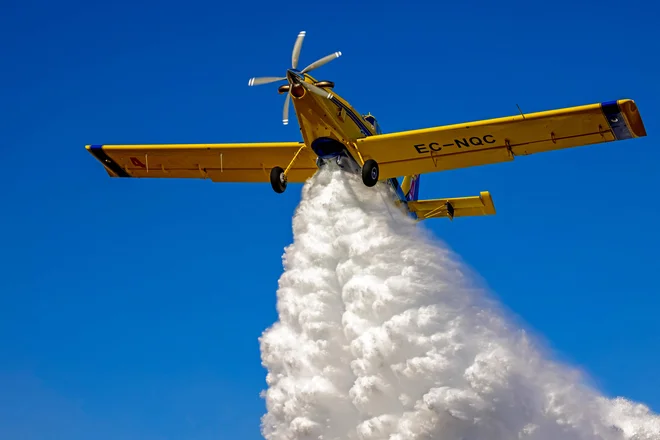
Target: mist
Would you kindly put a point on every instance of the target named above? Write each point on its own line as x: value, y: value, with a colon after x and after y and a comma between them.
x: 383, y: 333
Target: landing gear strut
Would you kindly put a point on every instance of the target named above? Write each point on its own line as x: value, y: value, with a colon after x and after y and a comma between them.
x: 370, y: 173
x: 278, y: 180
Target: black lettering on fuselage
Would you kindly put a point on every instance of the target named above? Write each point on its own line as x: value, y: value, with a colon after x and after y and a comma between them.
x: 421, y: 148
x: 476, y: 141
x: 461, y: 142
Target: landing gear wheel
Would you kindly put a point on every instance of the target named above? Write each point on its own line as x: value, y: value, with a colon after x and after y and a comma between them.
x: 370, y: 173
x: 278, y: 180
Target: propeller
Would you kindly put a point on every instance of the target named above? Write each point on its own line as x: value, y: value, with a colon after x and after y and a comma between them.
x: 296, y: 77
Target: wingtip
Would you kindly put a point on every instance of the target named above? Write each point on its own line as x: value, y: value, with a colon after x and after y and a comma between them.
x: 634, y: 118
x: 487, y: 200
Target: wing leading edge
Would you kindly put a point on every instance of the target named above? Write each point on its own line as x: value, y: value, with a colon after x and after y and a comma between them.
x: 246, y: 162
x: 500, y: 140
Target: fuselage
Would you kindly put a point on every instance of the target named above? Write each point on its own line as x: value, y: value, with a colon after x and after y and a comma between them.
x: 330, y: 126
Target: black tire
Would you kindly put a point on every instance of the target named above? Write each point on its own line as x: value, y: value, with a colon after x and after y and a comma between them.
x: 278, y: 180
x: 370, y: 173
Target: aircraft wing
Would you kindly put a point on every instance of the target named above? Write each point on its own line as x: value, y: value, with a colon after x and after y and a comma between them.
x: 249, y: 162
x: 499, y: 140
x: 454, y: 207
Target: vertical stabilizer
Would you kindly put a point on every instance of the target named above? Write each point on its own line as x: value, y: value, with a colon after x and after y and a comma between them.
x: 410, y: 187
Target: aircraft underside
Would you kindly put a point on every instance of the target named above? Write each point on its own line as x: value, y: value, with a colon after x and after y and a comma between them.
x: 345, y: 161
x: 407, y: 154
x: 330, y: 150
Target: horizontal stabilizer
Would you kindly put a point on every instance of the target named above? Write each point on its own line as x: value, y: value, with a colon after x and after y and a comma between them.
x: 455, y: 207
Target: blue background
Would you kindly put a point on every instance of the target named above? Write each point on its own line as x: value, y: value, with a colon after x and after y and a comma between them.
x: 131, y: 308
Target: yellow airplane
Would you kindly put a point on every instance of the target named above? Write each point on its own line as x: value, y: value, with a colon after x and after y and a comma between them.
x: 333, y: 131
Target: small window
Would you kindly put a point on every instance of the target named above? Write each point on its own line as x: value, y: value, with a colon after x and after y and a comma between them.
x: 372, y: 120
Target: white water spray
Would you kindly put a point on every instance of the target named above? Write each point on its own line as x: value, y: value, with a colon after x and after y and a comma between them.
x: 383, y: 334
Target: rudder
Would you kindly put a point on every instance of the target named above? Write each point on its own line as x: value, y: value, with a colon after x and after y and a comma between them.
x: 410, y: 187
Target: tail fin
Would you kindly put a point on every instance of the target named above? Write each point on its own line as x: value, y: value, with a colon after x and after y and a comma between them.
x: 410, y: 187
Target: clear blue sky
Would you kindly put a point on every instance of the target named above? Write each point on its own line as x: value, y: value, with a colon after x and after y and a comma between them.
x: 131, y: 308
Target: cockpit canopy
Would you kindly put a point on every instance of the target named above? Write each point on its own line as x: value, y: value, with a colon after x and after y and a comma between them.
x: 374, y: 123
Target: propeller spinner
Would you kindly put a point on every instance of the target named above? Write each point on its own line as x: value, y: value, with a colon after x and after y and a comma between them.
x: 297, y: 77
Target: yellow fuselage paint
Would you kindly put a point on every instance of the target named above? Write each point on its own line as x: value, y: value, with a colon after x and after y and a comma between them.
x: 322, y: 117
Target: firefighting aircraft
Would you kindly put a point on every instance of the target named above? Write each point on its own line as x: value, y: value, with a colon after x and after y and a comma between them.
x: 333, y: 131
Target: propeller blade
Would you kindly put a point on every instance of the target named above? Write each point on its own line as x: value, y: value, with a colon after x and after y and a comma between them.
x: 322, y: 61
x: 264, y: 80
x: 316, y: 90
x: 285, y: 116
x: 296, y: 50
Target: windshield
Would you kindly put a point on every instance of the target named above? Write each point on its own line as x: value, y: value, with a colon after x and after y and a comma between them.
x: 374, y: 123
